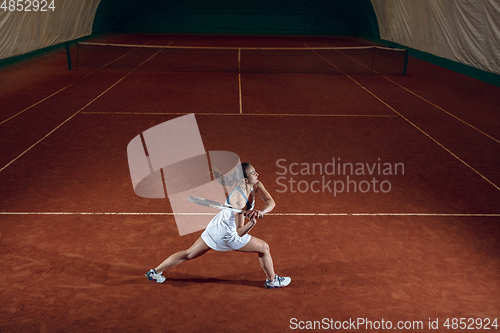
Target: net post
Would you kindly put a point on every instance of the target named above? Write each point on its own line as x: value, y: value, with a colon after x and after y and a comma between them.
x: 406, y: 61
x: 239, y: 60
x: 373, y: 59
x: 68, y: 55
x: 77, y: 55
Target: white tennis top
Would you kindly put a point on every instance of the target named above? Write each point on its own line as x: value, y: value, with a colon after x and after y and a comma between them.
x: 221, y: 234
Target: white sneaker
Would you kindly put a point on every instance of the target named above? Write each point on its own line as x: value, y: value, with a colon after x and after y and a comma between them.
x: 278, y: 282
x: 153, y: 276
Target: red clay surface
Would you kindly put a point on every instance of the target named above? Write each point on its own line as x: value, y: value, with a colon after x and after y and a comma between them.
x: 436, y: 257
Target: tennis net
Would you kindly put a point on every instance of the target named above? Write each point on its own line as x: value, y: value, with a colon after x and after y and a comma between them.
x: 314, y: 60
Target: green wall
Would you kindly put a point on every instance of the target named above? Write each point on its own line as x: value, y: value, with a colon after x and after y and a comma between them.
x: 312, y: 17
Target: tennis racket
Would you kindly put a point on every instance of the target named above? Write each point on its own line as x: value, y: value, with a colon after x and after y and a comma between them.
x: 216, y: 205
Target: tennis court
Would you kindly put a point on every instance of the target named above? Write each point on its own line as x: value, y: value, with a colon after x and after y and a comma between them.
x: 406, y: 230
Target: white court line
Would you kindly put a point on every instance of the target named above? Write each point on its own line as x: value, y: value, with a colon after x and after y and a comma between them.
x: 29, y: 107
x: 249, y: 114
x: 269, y: 214
x: 387, y: 214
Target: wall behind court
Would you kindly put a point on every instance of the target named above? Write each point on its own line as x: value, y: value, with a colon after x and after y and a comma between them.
x: 464, y: 31
x: 298, y: 17
x: 24, y: 31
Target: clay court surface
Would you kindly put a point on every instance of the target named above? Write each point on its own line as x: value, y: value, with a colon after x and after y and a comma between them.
x: 75, y: 240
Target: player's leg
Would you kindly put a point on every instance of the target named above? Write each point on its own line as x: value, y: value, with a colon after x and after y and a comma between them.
x: 196, y: 250
x: 257, y: 245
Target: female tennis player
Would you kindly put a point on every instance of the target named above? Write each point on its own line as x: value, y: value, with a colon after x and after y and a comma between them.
x: 228, y: 231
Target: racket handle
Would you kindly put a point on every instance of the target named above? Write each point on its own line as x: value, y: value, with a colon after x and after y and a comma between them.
x: 261, y: 216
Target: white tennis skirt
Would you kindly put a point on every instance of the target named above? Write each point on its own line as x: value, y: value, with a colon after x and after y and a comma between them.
x: 221, y: 234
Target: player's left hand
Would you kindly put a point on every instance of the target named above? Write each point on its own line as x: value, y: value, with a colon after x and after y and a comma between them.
x: 253, y: 214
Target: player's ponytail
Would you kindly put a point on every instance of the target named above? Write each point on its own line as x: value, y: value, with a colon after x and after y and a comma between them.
x: 218, y: 175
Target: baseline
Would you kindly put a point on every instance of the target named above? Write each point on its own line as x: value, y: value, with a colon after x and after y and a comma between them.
x: 269, y: 214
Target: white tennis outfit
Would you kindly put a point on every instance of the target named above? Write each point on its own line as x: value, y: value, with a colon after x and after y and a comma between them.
x: 221, y: 234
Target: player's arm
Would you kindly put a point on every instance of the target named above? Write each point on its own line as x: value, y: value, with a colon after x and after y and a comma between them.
x: 238, y: 202
x: 269, y: 203
x: 241, y: 227
x: 264, y: 194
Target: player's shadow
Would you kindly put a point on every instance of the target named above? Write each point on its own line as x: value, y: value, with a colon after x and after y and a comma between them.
x: 133, y: 275
x: 187, y: 280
